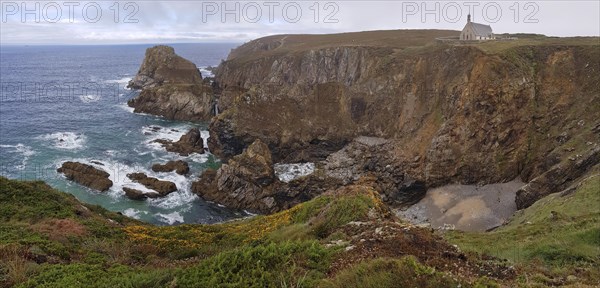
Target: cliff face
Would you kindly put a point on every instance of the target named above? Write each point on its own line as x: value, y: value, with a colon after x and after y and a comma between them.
x: 468, y: 114
x: 171, y: 87
x: 248, y: 181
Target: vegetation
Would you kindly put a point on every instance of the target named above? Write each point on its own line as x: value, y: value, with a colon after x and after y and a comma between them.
x: 405, y: 272
x: 49, y: 239
x: 287, y: 264
x: 536, y: 40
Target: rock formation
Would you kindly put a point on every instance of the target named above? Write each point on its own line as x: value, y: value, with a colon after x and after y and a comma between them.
x: 86, y: 175
x: 171, y: 86
x: 369, y: 156
x: 180, y: 167
x: 242, y: 181
x: 452, y: 114
x: 162, y: 187
x: 557, y: 178
x: 162, y: 66
x: 469, y: 114
x: 248, y: 181
x: 187, y: 144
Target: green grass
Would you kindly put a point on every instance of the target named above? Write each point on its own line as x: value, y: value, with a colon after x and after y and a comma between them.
x: 500, y: 46
x: 28, y: 215
x: 98, y: 248
x: 285, y: 249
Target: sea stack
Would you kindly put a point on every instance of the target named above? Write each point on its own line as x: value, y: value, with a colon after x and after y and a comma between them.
x: 171, y: 86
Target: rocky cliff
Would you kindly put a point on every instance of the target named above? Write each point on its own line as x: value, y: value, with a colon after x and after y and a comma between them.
x: 248, y: 181
x: 480, y: 113
x: 171, y: 86
x: 395, y: 105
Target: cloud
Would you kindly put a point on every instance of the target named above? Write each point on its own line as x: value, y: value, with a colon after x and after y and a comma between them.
x: 225, y: 21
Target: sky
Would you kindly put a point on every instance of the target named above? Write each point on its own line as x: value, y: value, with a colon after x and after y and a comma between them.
x: 111, y: 22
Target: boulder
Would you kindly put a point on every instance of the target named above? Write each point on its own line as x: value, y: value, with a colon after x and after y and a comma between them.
x: 189, y: 143
x: 134, y: 194
x: 162, y: 187
x: 86, y: 175
x: 180, y: 167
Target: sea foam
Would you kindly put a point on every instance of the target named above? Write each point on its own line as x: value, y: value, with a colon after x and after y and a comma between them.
x: 170, y: 218
x: 25, y: 151
x: 64, y: 140
x: 205, y: 72
x: 121, y: 82
x: 89, y: 98
x: 133, y: 213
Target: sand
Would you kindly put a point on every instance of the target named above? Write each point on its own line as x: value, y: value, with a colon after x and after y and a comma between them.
x: 465, y: 207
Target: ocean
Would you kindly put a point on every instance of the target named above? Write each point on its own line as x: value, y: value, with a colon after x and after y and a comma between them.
x: 68, y: 103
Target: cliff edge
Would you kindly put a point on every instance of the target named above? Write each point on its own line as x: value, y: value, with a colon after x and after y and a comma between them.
x: 471, y: 114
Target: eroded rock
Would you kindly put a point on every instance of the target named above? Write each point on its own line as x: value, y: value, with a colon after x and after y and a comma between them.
x: 370, y: 156
x: 558, y: 178
x: 243, y: 180
x: 179, y: 166
x: 134, y: 194
x: 189, y: 143
x: 189, y: 102
x: 172, y: 87
x: 162, y: 66
x: 162, y: 187
x: 248, y: 182
x: 86, y: 175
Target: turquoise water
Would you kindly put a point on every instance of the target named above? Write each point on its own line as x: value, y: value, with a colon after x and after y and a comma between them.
x: 68, y: 103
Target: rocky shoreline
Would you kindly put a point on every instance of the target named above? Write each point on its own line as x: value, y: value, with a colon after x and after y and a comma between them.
x: 410, y: 121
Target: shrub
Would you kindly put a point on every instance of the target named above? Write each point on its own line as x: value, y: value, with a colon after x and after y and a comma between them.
x: 405, y: 272
x: 88, y: 275
x: 266, y: 265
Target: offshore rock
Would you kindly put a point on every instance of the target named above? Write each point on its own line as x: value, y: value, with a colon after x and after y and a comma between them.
x: 189, y: 102
x: 162, y: 187
x: 187, y: 144
x: 162, y: 66
x: 180, y: 167
x: 172, y: 87
x: 86, y: 175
